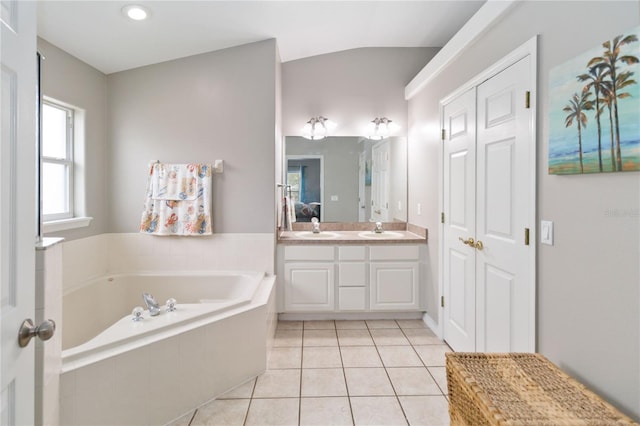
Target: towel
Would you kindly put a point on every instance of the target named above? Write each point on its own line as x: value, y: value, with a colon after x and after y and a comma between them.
x: 177, y: 200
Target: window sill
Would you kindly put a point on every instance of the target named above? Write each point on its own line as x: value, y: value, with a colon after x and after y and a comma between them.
x: 65, y: 224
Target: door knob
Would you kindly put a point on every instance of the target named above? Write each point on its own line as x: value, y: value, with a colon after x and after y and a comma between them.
x: 27, y: 331
x: 470, y: 242
x: 479, y: 245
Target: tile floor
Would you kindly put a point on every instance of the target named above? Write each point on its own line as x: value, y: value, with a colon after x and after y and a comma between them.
x: 381, y: 372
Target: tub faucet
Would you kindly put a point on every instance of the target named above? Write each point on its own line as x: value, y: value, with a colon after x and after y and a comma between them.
x: 315, y: 223
x: 378, y: 229
x: 152, y: 305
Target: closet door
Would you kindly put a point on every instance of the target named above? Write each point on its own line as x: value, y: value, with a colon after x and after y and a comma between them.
x: 504, y: 194
x: 459, y: 146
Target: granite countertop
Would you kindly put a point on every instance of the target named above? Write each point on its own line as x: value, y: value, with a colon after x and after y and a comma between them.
x: 349, y: 237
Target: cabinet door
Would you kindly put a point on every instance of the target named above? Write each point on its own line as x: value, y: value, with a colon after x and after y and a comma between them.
x: 394, y: 286
x: 308, y: 287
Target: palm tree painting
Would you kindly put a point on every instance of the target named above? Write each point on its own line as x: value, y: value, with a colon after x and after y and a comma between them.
x: 594, y: 109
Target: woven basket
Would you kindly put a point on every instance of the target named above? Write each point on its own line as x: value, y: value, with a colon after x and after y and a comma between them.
x: 521, y: 389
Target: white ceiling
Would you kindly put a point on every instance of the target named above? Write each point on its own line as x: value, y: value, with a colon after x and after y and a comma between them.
x: 97, y: 33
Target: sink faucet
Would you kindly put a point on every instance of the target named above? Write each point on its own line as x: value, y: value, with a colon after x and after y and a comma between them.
x: 316, y: 225
x: 152, y: 305
x: 378, y: 229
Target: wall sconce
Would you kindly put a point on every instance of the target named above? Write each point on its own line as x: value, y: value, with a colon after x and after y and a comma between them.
x: 381, y: 128
x: 317, y: 128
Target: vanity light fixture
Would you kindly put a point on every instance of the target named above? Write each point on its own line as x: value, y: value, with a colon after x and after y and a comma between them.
x: 381, y: 128
x: 136, y: 12
x: 317, y: 128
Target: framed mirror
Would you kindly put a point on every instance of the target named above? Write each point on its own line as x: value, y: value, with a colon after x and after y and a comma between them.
x: 347, y: 178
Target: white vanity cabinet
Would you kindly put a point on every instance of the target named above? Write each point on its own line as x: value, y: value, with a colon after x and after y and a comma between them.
x: 394, y: 283
x: 309, y: 278
x: 350, y: 278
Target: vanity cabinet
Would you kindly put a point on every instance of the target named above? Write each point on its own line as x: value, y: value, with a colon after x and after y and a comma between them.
x: 309, y: 278
x: 350, y: 278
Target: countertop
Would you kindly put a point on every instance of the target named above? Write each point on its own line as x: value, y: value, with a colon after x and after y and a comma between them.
x: 348, y: 237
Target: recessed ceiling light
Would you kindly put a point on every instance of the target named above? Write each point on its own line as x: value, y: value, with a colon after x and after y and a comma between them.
x: 135, y: 12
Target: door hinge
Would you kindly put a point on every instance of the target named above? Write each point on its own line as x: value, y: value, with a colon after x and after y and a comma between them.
x: 442, y: 217
x: 442, y: 301
x: 526, y: 236
x: 443, y: 133
x: 527, y: 101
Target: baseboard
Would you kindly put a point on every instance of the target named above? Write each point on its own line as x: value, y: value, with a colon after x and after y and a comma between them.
x: 432, y: 325
x: 319, y: 316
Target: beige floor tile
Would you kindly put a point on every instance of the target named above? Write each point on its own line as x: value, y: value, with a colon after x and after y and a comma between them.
x: 287, y: 338
x: 242, y: 391
x: 284, y: 358
x: 273, y: 412
x: 399, y: 356
x: 351, y: 325
x: 368, y: 382
x: 325, y: 411
x: 184, y: 420
x: 319, y: 325
x: 432, y: 355
x: 413, y: 381
x: 422, y: 336
x: 354, y: 338
x: 227, y: 412
x: 426, y: 410
x: 323, y: 382
x: 377, y: 411
x: 414, y: 323
x: 374, y: 324
x: 320, y: 338
x: 289, y: 325
x: 360, y: 356
x: 321, y: 357
x: 440, y: 376
x: 389, y: 337
x: 278, y: 384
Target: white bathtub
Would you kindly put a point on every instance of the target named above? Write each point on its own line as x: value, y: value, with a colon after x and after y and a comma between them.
x: 118, y: 371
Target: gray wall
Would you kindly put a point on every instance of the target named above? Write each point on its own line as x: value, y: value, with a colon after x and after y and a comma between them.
x: 588, y: 314
x: 71, y: 81
x: 351, y: 87
x: 218, y: 105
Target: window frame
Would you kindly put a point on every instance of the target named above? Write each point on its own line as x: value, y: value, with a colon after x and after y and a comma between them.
x: 68, y: 162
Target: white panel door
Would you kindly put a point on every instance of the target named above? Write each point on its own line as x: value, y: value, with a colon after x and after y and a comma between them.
x: 459, y: 123
x: 17, y: 209
x: 504, y: 194
x: 380, y: 182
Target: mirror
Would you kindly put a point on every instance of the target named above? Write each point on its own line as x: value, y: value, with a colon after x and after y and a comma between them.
x: 347, y: 179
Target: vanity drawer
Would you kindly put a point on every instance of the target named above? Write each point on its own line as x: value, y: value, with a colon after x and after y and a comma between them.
x: 394, y: 252
x: 351, y: 253
x: 308, y: 253
x: 351, y: 299
x: 352, y: 274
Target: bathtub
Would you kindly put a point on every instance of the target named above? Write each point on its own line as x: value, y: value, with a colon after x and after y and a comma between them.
x: 119, y: 371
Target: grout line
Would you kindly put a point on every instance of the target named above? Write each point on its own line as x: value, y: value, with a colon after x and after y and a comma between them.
x: 192, y: 417
x: 346, y: 384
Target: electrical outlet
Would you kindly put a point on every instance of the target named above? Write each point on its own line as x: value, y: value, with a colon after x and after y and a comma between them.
x: 399, y: 205
x: 334, y: 198
x: 419, y: 209
x: 546, y: 232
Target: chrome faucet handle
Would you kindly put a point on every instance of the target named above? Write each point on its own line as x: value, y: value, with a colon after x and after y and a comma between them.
x: 136, y: 314
x: 171, y: 305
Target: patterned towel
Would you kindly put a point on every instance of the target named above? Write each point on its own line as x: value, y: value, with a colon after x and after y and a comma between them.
x: 177, y: 200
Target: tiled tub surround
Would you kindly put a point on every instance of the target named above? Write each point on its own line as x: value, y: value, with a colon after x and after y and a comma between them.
x: 156, y: 378
x: 382, y: 372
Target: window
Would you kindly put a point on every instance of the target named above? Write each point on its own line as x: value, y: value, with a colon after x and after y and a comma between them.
x: 57, y: 162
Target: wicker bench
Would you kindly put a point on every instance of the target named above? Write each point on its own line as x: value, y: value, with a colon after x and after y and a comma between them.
x: 521, y: 389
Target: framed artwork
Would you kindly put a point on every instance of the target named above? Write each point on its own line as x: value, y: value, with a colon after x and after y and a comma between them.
x: 594, y: 109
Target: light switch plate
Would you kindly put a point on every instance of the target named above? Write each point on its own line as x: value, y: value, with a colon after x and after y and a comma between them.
x: 334, y: 198
x: 546, y: 232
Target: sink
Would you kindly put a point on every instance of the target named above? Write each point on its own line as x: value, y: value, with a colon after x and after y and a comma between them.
x: 323, y: 235
x: 385, y: 235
